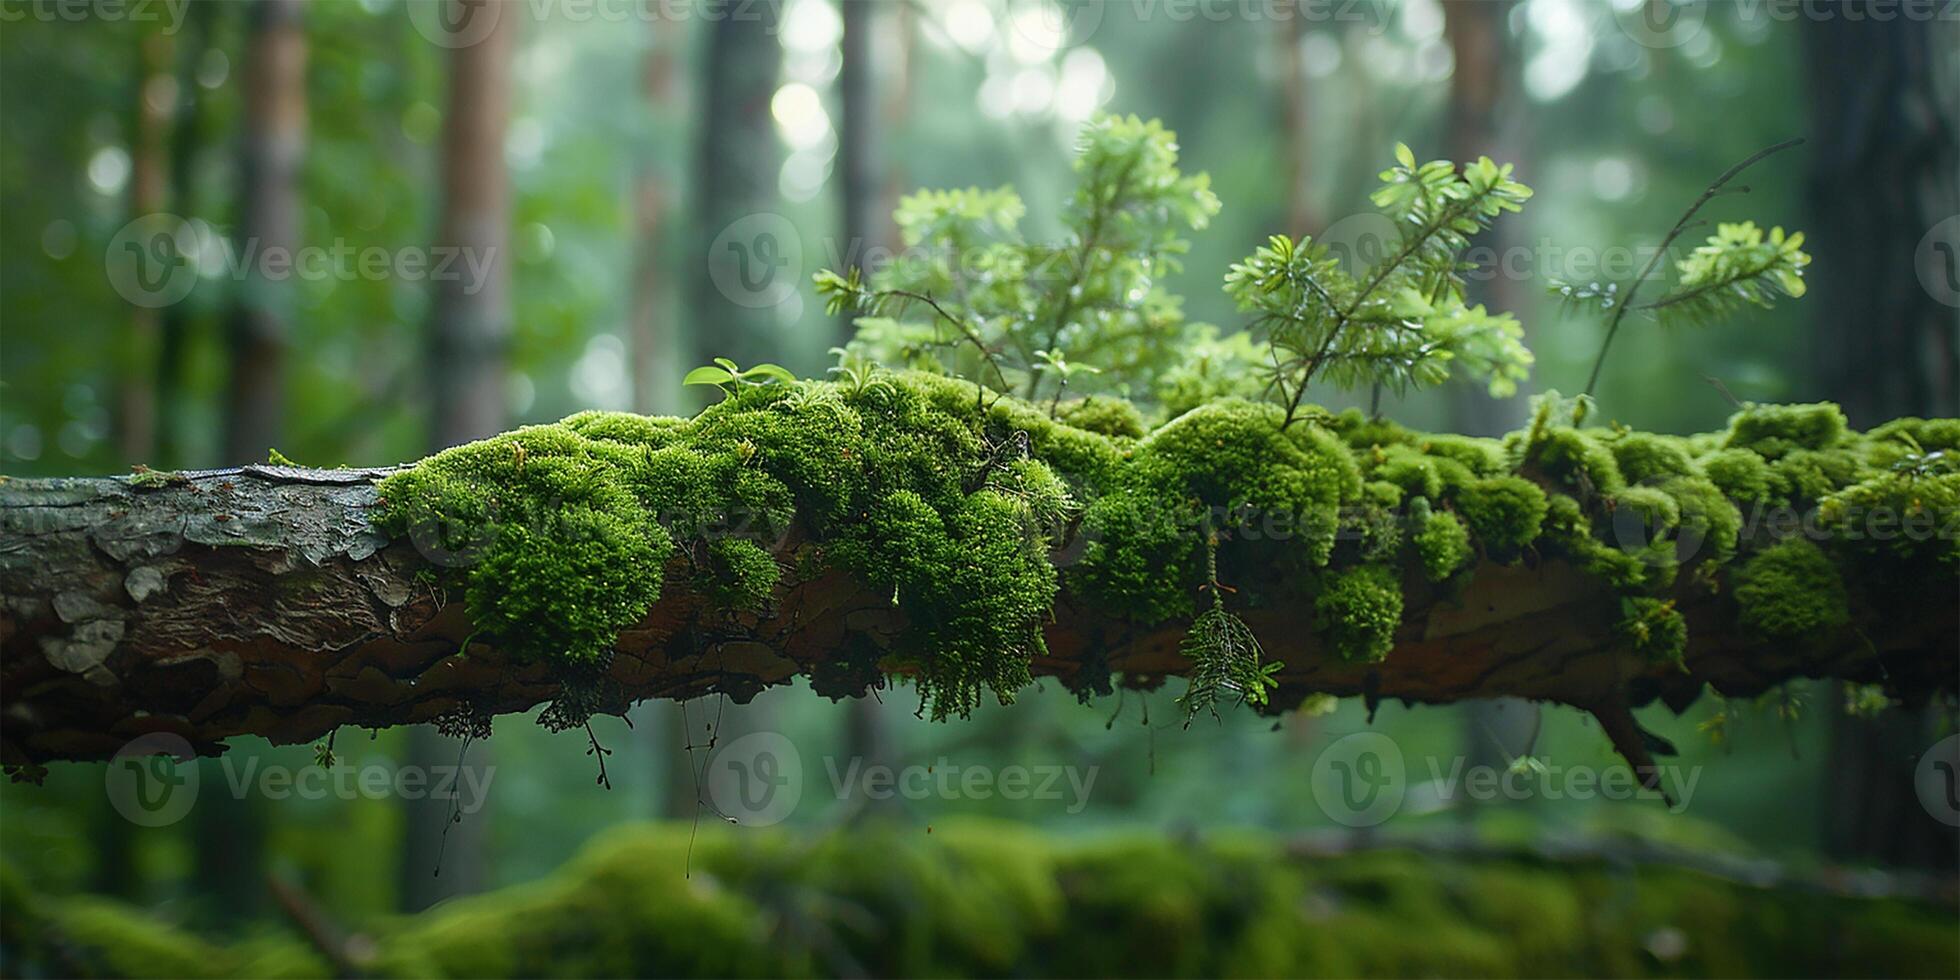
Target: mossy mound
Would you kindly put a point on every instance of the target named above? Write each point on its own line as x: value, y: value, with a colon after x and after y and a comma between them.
x: 977, y: 898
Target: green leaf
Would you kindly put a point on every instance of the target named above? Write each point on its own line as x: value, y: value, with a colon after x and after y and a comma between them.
x: 707, y: 376
x: 774, y: 372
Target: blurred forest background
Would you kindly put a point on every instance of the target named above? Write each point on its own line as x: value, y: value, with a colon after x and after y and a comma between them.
x: 594, y: 152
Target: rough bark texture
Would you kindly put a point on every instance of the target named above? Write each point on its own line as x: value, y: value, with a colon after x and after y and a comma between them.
x: 264, y: 601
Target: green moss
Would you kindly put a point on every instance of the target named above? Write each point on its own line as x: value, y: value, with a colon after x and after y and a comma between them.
x: 1790, y: 590
x: 1741, y: 474
x: 1808, y: 475
x: 1223, y: 461
x: 567, y: 530
x: 1653, y: 506
x: 1569, y: 530
x: 1405, y: 467
x: 1572, y: 460
x: 1898, y: 516
x: 1644, y: 457
x: 976, y: 898
x: 1708, y: 523
x: 1357, y: 611
x: 1111, y: 417
x: 1479, y: 457
x: 1775, y: 430
x: 1504, y: 512
x: 1654, y: 628
x: 1381, y: 494
x: 1442, y: 543
x: 1932, y: 435
x: 739, y: 574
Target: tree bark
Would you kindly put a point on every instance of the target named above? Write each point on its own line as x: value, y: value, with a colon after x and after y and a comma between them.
x: 264, y: 601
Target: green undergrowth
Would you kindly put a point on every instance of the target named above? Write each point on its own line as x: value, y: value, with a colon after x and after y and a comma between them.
x: 987, y: 899
x: 974, y: 512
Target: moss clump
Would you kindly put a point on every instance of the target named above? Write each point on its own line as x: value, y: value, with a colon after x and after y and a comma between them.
x: 1653, y: 506
x: 1774, y: 430
x: 1569, y: 530
x: 1408, y: 469
x: 739, y: 574
x: 1708, y: 523
x: 1221, y: 463
x: 1504, y: 512
x: 1572, y: 460
x: 1480, y: 457
x: 1385, y: 495
x: 1741, y: 474
x: 1442, y: 543
x: 1899, y: 516
x: 1791, y: 590
x: 1111, y: 417
x: 567, y: 530
x: 1645, y: 457
x: 1808, y: 475
x: 1654, y: 628
x: 1357, y: 610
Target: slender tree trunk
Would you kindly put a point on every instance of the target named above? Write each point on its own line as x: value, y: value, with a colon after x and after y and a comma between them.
x: 655, y: 347
x: 274, y: 142
x: 736, y: 178
x: 1300, y: 216
x: 468, y: 354
x: 156, y: 103
x: 186, y: 139
x: 1884, y: 197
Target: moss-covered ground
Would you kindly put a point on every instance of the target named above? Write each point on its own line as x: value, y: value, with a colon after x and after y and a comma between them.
x: 984, y: 899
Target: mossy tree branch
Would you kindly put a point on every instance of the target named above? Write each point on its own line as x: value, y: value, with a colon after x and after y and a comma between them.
x: 269, y: 601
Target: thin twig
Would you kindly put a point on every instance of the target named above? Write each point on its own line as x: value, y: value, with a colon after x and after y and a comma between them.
x: 1713, y: 190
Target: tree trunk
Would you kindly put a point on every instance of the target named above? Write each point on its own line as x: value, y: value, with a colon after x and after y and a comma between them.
x: 654, y: 346
x: 264, y: 601
x: 156, y: 104
x: 736, y: 179
x: 274, y: 123
x: 1884, y: 194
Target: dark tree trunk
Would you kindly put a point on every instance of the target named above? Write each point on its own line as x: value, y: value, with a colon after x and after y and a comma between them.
x: 1884, y: 195
x: 736, y: 178
x: 274, y: 143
